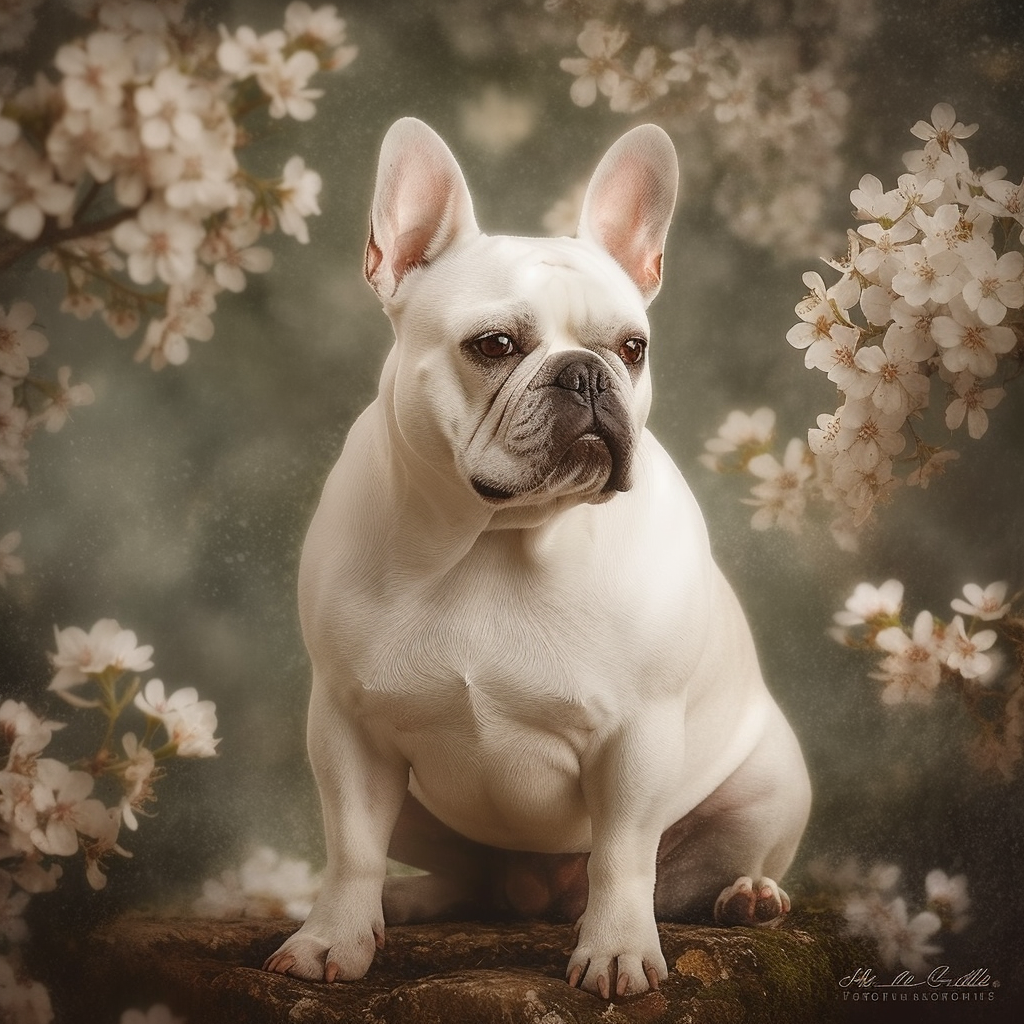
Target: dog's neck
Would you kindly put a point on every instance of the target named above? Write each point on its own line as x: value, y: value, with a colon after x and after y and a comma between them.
x: 434, y: 520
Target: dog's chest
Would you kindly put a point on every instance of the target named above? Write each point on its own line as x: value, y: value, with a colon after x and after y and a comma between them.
x: 482, y: 652
x: 555, y: 636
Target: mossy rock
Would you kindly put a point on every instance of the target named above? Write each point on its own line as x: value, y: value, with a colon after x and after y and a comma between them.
x: 208, y: 972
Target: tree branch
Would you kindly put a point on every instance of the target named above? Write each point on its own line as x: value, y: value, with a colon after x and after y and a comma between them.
x: 53, y: 235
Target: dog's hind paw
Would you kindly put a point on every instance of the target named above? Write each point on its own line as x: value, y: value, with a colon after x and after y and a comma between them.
x: 756, y: 904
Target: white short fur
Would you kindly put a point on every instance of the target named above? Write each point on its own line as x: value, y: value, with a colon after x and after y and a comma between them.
x: 509, y: 600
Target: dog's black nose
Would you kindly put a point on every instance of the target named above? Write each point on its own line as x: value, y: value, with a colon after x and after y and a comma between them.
x: 587, y: 377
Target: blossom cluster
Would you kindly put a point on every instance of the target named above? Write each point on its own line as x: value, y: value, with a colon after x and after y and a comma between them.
x: 930, y: 293
x: 874, y: 909
x: 123, y: 165
x: 266, y: 885
x: 958, y: 656
x: 765, y: 123
x: 27, y: 402
x: 50, y: 808
x: 929, y: 298
x: 47, y: 807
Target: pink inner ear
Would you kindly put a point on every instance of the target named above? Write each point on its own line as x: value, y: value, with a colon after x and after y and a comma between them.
x: 627, y: 237
x: 410, y: 249
x: 622, y: 211
x: 374, y: 257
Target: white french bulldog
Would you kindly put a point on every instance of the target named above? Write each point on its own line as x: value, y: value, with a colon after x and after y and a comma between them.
x: 519, y: 639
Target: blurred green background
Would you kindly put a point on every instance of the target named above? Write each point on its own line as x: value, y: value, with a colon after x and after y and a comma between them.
x: 177, y: 503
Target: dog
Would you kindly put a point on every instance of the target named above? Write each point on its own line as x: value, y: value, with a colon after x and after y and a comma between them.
x: 529, y: 676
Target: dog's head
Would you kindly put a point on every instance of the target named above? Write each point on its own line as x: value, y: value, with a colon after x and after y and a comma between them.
x: 521, y: 364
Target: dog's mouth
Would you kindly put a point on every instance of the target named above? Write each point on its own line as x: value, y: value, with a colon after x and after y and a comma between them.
x: 490, y: 492
x: 591, y: 463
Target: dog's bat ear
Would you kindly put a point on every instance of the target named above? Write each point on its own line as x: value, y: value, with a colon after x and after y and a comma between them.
x: 421, y: 205
x: 629, y: 203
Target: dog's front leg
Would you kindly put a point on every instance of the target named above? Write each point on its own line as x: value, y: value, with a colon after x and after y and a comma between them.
x: 361, y: 789
x: 618, y: 951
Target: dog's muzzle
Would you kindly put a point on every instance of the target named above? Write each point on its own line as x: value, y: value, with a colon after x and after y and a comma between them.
x: 573, y: 424
x: 587, y: 406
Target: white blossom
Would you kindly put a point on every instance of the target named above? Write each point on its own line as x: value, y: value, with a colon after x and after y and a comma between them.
x: 231, y: 253
x: 95, y: 71
x: 862, y: 485
x: 70, y: 809
x: 24, y: 732
x: 870, y: 604
x: 190, y: 723
x: 823, y: 309
x: 159, y: 242
x: 743, y: 433
x: 868, y: 435
x: 297, y: 195
x: 927, y: 276
x: 914, y: 325
x: 890, y: 377
x: 189, y: 306
x: 66, y: 397
x: 105, y: 647
x: 947, y: 897
x: 913, y: 668
x: 968, y: 343
x: 89, y: 141
x: 987, y: 604
x: 887, y: 245
x: 638, y: 89
x: 320, y: 27
x: 734, y: 96
x: 996, y: 285
x: 836, y: 355
x: 780, y: 498
x: 966, y: 651
x: 944, y: 130
x: 29, y: 191
x: 18, y: 342
x: 138, y: 773
x: 1005, y: 199
x: 245, y: 53
x: 872, y: 202
x: 933, y: 465
x: 972, y: 401
x: 285, y: 81
x: 598, y: 69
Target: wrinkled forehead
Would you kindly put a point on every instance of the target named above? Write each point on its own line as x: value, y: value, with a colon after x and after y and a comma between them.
x: 500, y: 282
x: 574, y: 284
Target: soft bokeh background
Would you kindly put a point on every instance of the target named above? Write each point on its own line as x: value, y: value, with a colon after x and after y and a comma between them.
x: 177, y: 503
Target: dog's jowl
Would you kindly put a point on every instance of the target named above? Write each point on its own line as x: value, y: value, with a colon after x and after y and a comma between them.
x: 529, y: 676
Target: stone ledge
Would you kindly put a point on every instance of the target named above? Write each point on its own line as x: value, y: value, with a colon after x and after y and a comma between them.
x: 465, y: 972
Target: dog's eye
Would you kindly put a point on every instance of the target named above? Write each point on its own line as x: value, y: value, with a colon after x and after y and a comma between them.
x: 495, y: 346
x: 631, y: 351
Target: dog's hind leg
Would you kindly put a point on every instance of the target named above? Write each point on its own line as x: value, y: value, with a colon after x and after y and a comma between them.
x: 466, y: 879
x: 456, y: 880
x: 724, y: 858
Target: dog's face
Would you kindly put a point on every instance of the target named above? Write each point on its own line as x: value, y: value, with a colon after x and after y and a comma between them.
x: 521, y: 364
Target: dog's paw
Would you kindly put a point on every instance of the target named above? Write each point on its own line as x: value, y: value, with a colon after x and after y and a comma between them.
x: 315, y: 959
x: 605, y: 971
x: 757, y: 904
